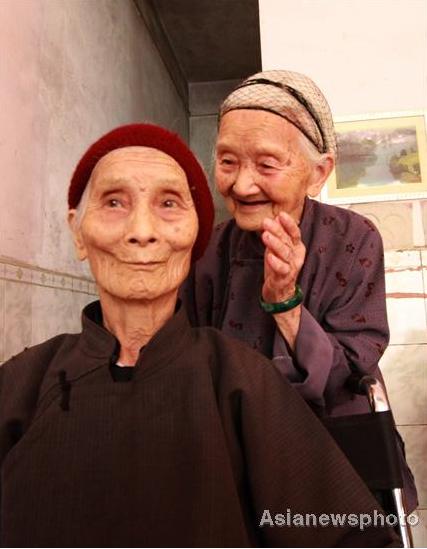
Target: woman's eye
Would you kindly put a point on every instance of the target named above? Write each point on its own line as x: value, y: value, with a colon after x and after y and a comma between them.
x: 226, y: 161
x: 114, y: 203
x: 169, y: 203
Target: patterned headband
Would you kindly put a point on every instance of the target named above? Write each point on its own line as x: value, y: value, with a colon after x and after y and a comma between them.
x: 292, y: 96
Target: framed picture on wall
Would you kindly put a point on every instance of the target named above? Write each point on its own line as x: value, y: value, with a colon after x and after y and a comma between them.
x: 380, y: 157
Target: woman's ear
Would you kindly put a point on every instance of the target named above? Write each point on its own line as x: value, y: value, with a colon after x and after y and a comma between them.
x: 320, y: 174
x: 79, y: 245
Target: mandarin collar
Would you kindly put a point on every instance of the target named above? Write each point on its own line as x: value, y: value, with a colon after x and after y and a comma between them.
x: 99, y: 343
x: 95, y: 340
x: 96, y: 347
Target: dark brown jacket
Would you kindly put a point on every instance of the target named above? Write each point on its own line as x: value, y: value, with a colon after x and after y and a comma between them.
x: 192, y: 451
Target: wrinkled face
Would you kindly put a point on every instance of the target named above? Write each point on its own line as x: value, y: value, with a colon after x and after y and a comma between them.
x: 260, y: 168
x: 139, y: 226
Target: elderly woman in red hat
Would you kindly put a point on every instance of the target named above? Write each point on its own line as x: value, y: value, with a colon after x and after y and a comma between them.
x: 143, y: 431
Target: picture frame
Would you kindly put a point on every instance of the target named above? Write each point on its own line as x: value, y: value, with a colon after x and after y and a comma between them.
x: 381, y: 157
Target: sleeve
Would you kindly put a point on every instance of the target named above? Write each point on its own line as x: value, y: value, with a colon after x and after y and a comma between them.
x: 351, y: 335
x: 11, y: 414
x: 4, y: 438
x: 296, y: 473
x: 20, y: 381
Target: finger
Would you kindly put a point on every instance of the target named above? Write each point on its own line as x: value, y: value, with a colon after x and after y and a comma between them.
x: 275, y: 227
x: 290, y: 226
x: 278, y: 268
x: 277, y: 246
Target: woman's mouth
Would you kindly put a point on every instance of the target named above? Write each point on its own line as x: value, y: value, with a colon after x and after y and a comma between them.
x: 145, y: 265
x: 251, y: 204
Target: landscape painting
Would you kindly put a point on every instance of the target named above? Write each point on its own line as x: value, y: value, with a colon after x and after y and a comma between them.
x: 380, y: 159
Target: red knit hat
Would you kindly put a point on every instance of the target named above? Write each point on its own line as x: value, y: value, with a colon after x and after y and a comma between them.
x: 148, y: 135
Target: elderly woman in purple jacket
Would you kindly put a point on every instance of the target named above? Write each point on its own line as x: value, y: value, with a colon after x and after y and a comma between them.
x: 301, y: 281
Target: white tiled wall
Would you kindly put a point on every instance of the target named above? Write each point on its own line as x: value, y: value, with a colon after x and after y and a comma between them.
x: 420, y: 531
x: 404, y: 364
x: 36, y: 304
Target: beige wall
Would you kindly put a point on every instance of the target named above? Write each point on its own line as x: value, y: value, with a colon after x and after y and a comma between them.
x: 70, y: 70
x: 366, y: 55
x: 73, y: 70
x: 371, y: 56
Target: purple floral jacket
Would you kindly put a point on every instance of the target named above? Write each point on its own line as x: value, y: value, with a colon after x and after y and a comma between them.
x: 344, y: 319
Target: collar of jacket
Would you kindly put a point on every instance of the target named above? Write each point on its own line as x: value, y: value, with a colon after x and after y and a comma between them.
x: 97, y: 348
x: 98, y: 343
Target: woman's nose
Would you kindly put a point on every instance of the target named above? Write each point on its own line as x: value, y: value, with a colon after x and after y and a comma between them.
x: 141, y: 228
x: 245, y: 182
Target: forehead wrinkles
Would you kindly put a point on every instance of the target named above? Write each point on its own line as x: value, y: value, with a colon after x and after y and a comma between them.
x: 141, y: 165
x: 259, y: 142
x: 257, y: 133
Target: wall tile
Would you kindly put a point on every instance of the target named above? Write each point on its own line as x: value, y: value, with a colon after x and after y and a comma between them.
x: 402, y: 258
x: 404, y: 273
x: 82, y: 300
x: 424, y: 269
x: 53, y: 313
x: 17, y: 273
x: 393, y: 219
x: 415, y: 437
x: 419, y: 532
x: 17, y: 330
x: 424, y: 217
x: 407, y: 320
x: 405, y: 296
x: 80, y: 285
x: 70, y: 313
x: 93, y: 290
x: 405, y: 372
x: 44, y: 321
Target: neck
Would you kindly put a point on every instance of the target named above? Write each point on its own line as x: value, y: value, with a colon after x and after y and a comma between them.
x: 135, y: 322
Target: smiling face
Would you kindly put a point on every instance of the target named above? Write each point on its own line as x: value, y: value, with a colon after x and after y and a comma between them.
x: 260, y: 167
x: 139, y: 225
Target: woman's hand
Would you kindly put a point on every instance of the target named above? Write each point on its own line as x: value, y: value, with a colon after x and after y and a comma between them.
x: 284, y: 257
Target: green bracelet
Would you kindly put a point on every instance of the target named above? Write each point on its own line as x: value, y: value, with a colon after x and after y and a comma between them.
x: 283, y: 306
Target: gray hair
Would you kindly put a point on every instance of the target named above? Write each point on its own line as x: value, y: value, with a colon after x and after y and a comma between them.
x: 82, y: 205
x: 311, y: 154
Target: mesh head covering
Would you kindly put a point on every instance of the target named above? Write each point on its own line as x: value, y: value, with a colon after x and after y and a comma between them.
x: 292, y: 96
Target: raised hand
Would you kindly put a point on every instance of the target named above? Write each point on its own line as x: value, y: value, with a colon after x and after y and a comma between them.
x: 284, y: 257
